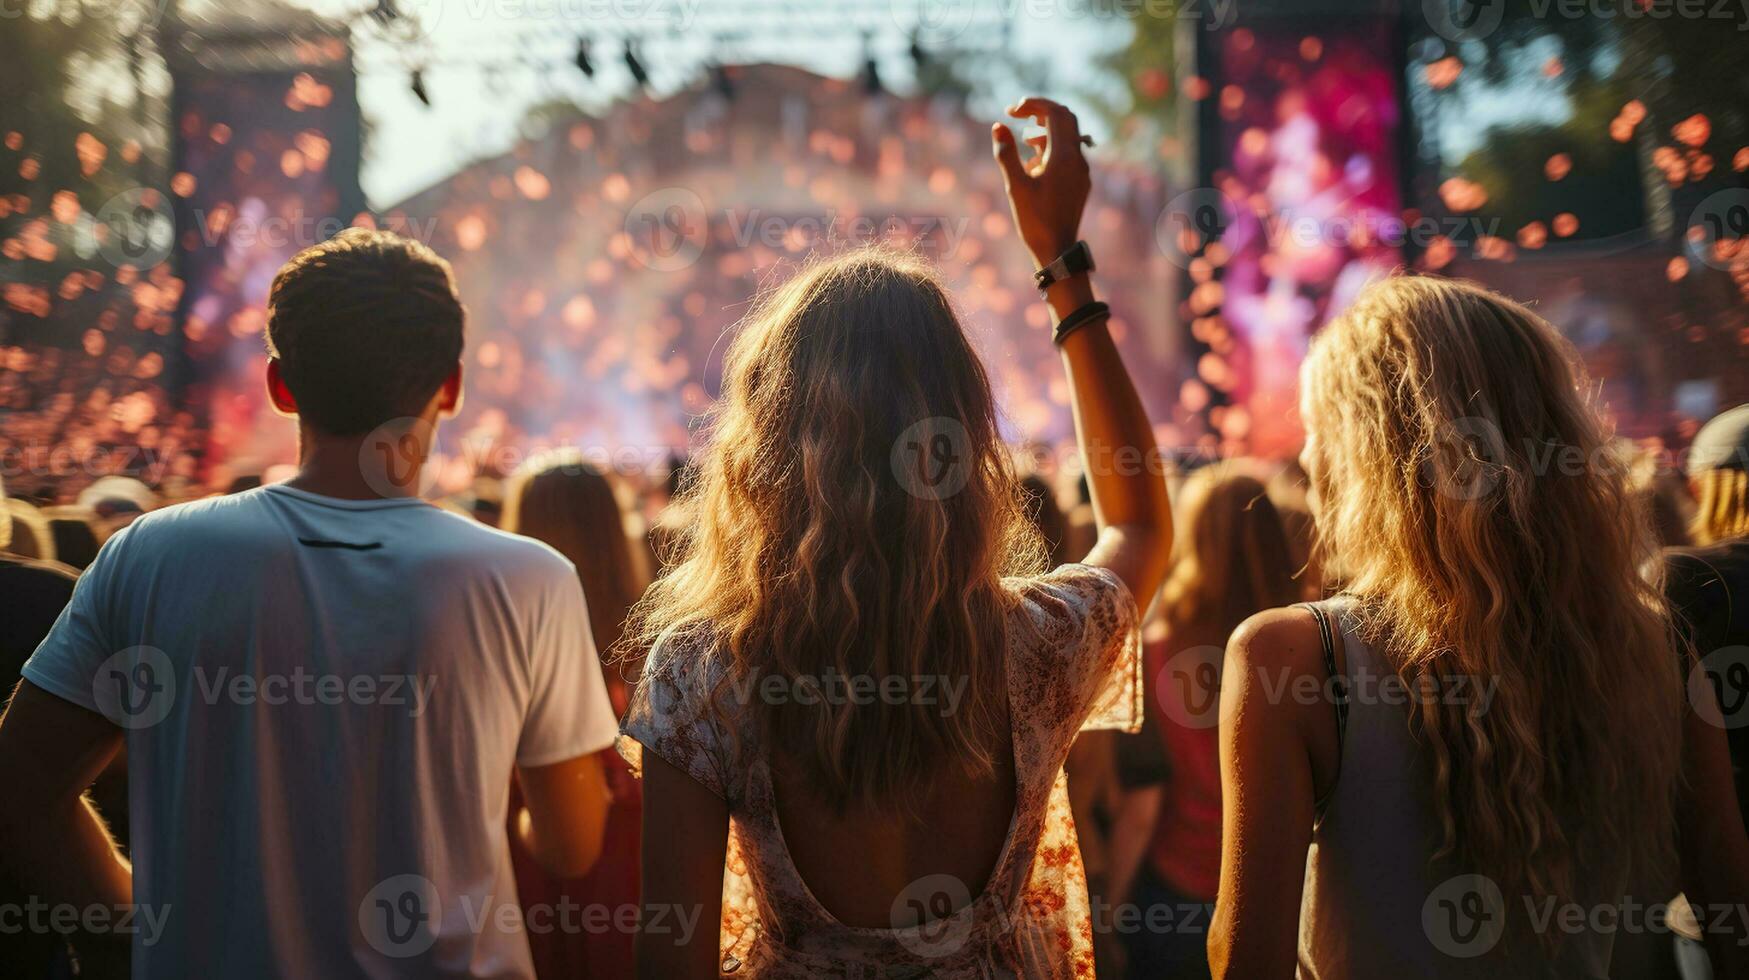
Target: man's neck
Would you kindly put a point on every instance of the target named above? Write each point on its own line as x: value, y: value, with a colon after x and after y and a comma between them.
x: 347, y: 468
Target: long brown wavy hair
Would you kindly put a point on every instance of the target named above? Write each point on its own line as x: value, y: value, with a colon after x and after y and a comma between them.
x: 853, y: 514
x: 1476, y: 504
x: 1231, y: 557
x: 570, y: 505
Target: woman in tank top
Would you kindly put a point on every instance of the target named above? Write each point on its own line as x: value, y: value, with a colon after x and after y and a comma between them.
x: 1483, y: 758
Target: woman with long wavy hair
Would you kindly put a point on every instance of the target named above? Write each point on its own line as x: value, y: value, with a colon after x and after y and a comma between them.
x: 568, y: 503
x: 1232, y: 560
x: 1497, y: 744
x: 862, y: 683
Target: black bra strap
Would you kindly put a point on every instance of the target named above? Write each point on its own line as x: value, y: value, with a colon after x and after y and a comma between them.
x: 1338, y: 683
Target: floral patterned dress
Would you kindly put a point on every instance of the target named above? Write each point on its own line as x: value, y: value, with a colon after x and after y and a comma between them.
x: 1074, y: 663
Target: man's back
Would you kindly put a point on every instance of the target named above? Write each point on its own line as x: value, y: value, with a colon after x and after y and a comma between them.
x: 325, y: 702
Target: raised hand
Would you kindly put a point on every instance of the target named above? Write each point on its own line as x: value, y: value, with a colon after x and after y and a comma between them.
x: 1047, y: 192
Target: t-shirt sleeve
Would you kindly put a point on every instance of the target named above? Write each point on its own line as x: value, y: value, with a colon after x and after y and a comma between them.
x: 85, y: 635
x: 1088, y: 645
x: 671, y: 715
x: 569, y: 714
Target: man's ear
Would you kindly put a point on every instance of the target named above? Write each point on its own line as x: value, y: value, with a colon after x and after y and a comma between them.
x: 449, y: 397
x: 284, y: 402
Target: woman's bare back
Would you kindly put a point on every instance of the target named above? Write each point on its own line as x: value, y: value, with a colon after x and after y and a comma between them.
x: 865, y: 867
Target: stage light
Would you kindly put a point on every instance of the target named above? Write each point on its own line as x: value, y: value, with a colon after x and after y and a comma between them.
x: 636, y: 67
x: 584, y: 64
x: 418, y: 87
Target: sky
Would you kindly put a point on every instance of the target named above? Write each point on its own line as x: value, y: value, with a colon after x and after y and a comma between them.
x: 485, y: 62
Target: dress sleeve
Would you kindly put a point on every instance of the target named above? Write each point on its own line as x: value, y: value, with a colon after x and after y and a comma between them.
x: 670, y: 714
x: 1086, y: 645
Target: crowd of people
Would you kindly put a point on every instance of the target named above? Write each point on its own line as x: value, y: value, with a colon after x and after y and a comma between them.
x: 854, y: 693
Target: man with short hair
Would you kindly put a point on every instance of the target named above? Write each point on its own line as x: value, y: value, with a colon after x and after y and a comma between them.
x: 325, y: 686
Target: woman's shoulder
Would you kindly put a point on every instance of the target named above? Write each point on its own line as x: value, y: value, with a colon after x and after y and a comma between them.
x: 1285, y: 637
x: 684, y: 708
x: 1072, y: 594
x: 1074, y: 648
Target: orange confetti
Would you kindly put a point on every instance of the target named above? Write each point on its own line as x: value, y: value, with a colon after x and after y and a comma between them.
x: 1442, y: 73
x: 1565, y: 224
x: 1558, y: 166
x: 1461, y: 194
x: 1694, y: 131
x: 532, y: 184
x: 470, y: 232
x: 1677, y: 269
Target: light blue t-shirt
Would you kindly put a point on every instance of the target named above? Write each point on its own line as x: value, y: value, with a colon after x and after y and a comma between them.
x: 324, y: 702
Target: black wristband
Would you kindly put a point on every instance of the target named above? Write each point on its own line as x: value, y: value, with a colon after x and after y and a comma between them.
x: 1076, y: 261
x: 1078, y: 319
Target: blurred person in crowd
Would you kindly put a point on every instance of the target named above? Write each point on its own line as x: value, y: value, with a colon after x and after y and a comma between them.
x: 570, y: 505
x: 662, y: 517
x: 338, y: 678
x: 1287, y: 491
x: 31, y: 534
x: 120, y: 493
x: 1708, y: 583
x: 1661, y: 491
x: 856, y: 521
x: 1535, y: 752
x: 1233, y: 561
x: 35, y: 592
x: 75, y: 533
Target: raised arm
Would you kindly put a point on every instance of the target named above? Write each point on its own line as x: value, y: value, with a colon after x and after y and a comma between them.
x: 1048, y: 194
